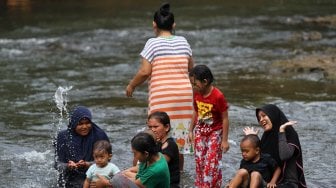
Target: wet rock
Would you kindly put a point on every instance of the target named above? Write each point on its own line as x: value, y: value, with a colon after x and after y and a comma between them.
x: 329, y: 21
x: 312, y: 67
x: 303, y: 36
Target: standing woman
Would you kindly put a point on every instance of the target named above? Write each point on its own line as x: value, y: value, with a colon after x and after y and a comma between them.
x: 74, y: 147
x: 281, y: 141
x: 166, y: 61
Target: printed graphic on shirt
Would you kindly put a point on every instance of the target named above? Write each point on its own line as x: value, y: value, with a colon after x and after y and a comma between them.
x: 204, y: 112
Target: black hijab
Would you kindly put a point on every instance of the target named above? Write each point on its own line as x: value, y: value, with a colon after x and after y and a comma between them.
x: 270, y: 139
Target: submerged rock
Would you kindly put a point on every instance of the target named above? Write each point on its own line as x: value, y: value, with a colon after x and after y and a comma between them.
x: 312, y: 67
x: 328, y: 21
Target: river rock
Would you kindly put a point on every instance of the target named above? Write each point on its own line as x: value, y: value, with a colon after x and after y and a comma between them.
x: 328, y: 21
x: 311, y: 67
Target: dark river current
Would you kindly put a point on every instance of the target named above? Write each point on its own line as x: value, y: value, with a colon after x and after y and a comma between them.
x: 92, y: 49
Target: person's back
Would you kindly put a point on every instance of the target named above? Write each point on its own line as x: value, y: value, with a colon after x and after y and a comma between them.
x: 166, y: 61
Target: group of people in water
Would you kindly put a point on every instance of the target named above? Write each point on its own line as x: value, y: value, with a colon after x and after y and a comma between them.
x: 187, y: 114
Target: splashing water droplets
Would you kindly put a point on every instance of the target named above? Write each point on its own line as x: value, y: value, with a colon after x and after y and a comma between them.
x: 61, y: 99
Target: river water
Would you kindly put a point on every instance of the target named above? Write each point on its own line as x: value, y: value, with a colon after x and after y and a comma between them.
x: 93, y: 48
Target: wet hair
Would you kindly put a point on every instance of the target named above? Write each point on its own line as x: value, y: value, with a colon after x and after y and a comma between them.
x: 254, y: 139
x: 201, y: 73
x: 102, y: 145
x: 144, y: 142
x: 163, y: 18
x: 162, y: 117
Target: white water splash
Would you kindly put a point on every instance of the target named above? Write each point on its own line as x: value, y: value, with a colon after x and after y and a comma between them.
x: 61, y: 99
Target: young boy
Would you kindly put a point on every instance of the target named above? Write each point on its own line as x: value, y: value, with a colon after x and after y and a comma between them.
x: 102, y: 154
x: 256, y: 169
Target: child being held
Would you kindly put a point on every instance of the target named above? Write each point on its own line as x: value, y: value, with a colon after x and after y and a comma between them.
x: 102, y: 154
x: 256, y: 169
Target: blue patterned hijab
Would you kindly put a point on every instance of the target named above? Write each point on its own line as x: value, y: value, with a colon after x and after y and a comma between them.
x: 74, y: 147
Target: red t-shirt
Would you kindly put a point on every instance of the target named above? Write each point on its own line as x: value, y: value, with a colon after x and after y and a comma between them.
x: 209, y: 111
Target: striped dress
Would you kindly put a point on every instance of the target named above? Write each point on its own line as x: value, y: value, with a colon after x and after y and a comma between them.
x: 169, y: 85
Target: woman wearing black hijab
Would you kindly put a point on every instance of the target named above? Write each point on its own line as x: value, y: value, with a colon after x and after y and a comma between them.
x: 281, y: 141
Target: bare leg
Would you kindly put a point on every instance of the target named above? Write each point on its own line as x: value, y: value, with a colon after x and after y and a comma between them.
x: 255, y: 179
x: 240, y: 179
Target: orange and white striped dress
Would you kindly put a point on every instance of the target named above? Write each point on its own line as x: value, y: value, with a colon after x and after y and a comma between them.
x: 170, y: 90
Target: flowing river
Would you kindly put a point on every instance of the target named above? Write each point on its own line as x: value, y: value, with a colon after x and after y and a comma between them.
x: 55, y: 55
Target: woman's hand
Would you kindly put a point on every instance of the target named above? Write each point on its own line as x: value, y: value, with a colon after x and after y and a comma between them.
x: 250, y: 130
x: 283, y: 126
x: 72, y: 165
x: 129, y: 90
x: 83, y: 164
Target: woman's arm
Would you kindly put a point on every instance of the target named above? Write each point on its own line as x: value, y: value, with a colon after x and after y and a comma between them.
x: 130, y: 173
x: 141, y: 76
x: 286, y: 151
x: 190, y: 64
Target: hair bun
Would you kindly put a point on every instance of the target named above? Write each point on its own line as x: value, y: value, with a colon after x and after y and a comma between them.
x: 164, y: 9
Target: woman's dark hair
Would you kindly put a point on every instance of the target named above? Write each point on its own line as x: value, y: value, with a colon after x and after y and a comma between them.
x: 163, y: 18
x: 144, y: 142
x: 201, y: 73
x: 102, y: 145
x: 162, y: 117
x: 254, y: 139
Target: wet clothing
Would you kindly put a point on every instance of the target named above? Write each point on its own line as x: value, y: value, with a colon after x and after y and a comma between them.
x: 108, y: 171
x: 266, y: 166
x: 170, y: 90
x: 208, y: 155
x: 70, y: 146
x: 156, y: 175
x: 172, y: 151
x: 209, y: 111
x: 208, y: 138
x: 285, y: 147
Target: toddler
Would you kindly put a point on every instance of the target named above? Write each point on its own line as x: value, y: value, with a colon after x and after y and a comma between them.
x: 102, y: 154
x: 256, y: 169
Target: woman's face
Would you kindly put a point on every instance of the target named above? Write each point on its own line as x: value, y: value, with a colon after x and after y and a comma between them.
x: 83, y: 127
x: 264, y: 121
x: 142, y: 157
x: 160, y: 131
